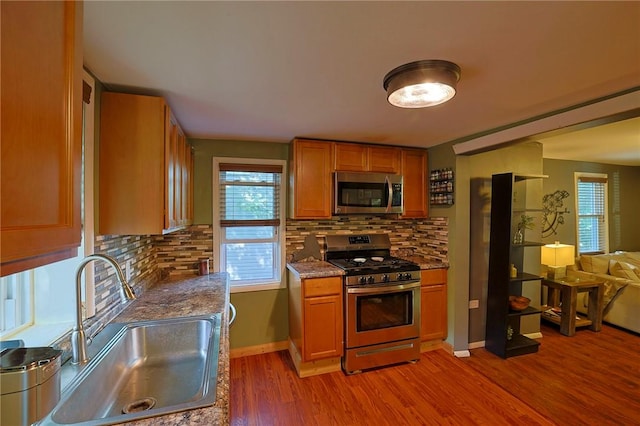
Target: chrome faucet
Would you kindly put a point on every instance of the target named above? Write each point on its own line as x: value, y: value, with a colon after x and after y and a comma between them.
x: 78, y: 338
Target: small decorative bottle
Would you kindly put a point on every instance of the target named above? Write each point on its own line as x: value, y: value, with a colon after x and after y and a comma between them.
x: 518, y: 237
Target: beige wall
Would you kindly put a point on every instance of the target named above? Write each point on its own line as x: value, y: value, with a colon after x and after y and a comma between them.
x: 624, y: 202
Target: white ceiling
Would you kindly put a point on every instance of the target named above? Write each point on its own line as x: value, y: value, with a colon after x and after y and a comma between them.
x: 271, y: 71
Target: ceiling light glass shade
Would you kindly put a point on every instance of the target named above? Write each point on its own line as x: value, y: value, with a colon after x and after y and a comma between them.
x: 422, y: 83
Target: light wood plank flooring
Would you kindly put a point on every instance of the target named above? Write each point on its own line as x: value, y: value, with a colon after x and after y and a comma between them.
x: 589, y: 379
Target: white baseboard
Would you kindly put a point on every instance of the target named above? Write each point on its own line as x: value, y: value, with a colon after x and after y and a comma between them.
x: 461, y: 354
x: 475, y: 345
x: 536, y: 335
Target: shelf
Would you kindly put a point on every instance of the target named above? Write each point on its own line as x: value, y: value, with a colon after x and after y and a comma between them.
x: 527, y: 244
x: 580, y: 320
x: 441, y: 187
x: 525, y: 177
x: 524, y: 276
x: 526, y: 210
x: 520, y: 345
x: 526, y: 311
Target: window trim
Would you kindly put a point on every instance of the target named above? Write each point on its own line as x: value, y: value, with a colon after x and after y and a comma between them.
x: 595, y: 176
x: 217, y: 267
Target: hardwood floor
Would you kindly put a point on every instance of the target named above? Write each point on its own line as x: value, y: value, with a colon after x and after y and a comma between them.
x: 592, y: 378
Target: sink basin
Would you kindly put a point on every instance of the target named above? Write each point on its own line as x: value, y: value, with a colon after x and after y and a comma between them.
x: 147, y: 369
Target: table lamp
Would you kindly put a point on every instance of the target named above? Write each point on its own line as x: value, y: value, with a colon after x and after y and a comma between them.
x: 557, y: 256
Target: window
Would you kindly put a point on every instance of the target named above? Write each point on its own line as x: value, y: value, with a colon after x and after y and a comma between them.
x: 247, y: 211
x: 591, y: 208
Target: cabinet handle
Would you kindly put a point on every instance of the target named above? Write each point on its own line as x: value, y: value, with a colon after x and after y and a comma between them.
x: 233, y: 313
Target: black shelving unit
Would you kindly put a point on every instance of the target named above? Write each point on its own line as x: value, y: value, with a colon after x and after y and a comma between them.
x: 508, y: 201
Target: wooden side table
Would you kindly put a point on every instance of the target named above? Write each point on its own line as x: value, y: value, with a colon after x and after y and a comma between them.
x: 568, y: 291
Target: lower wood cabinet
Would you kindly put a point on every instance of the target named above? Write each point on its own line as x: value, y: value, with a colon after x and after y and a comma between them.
x: 315, y: 324
x: 434, y: 304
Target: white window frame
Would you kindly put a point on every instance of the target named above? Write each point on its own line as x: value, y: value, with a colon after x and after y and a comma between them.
x: 218, y: 266
x: 577, y: 176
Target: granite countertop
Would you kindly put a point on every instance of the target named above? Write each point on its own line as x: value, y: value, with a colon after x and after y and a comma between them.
x: 427, y: 262
x: 319, y: 269
x: 190, y: 296
x: 314, y: 269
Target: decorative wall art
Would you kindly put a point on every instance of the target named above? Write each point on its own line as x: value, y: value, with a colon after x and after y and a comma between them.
x: 553, y: 211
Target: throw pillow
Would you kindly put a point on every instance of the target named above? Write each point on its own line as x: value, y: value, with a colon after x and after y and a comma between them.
x: 624, y: 270
x: 597, y: 264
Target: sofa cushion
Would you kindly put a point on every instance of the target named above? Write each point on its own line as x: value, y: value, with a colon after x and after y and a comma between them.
x: 624, y: 270
x: 597, y: 264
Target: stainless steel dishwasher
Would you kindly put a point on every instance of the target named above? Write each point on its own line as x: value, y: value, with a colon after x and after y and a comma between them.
x: 30, y: 384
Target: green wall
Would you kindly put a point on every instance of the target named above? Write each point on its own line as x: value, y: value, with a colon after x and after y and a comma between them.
x: 624, y: 202
x: 262, y: 316
x: 467, y: 325
x: 206, y: 149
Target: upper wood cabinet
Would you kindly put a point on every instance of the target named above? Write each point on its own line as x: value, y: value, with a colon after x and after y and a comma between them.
x: 310, y: 179
x: 145, y: 167
x: 366, y: 158
x: 414, y: 175
x: 41, y: 133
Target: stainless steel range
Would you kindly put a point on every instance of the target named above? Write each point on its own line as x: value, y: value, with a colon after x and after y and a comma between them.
x: 382, y: 302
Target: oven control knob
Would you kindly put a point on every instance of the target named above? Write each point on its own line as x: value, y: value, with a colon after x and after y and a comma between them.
x: 370, y: 279
x: 400, y: 277
x: 407, y: 276
x: 385, y: 278
x: 362, y: 280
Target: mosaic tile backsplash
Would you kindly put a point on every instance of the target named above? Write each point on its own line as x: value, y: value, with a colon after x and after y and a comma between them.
x: 152, y: 257
x: 428, y: 237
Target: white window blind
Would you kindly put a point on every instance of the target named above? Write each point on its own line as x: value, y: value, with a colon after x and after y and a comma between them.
x: 249, y: 211
x: 592, y: 213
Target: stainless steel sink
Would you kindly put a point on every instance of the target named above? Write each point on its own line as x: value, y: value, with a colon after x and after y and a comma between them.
x: 147, y: 369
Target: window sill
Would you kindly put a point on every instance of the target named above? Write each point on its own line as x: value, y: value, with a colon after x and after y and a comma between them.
x: 41, y: 335
x: 256, y: 287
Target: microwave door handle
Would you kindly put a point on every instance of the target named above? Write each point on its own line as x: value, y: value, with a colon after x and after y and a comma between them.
x: 389, y: 193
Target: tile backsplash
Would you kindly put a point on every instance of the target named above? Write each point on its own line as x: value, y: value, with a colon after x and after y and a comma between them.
x: 155, y: 257
x: 428, y: 237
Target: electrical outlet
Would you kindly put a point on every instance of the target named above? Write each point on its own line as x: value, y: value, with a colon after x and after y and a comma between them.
x: 473, y: 304
x: 128, y: 269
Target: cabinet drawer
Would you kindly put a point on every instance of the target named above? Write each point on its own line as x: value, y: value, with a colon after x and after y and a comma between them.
x: 321, y: 286
x: 433, y: 276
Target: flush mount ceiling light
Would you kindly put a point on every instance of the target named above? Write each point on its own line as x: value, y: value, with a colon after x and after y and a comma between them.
x: 422, y: 83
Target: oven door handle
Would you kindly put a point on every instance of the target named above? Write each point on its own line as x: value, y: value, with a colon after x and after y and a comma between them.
x: 384, y: 289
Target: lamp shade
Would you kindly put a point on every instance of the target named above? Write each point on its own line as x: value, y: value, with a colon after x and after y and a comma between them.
x: 557, y: 254
x: 422, y: 83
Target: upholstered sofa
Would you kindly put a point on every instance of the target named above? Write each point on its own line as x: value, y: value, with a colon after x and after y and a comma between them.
x: 620, y: 272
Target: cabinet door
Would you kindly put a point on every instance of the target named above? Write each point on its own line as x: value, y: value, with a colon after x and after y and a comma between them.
x: 311, y: 165
x: 434, y: 304
x: 434, y: 312
x: 41, y: 133
x: 185, y: 199
x: 351, y: 157
x: 322, y: 327
x: 171, y: 176
x: 134, y: 132
x: 384, y: 159
x: 414, y: 175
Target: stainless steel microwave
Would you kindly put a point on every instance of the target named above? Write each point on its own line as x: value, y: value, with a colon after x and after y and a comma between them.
x: 375, y: 193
